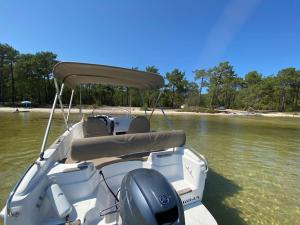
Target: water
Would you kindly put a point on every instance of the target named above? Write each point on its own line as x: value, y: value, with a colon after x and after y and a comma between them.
x: 254, y: 162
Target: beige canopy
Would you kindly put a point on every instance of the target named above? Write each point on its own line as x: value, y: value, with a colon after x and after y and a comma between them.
x: 73, y: 74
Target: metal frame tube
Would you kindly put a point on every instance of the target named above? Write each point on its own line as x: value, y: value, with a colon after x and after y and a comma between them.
x: 143, y: 103
x: 80, y: 109
x: 155, y: 105
x: 12, y: 193
x: 48, y: 127
x: 200, y: 156
x: 129, y: 90
x: 163, y: 112
x: 60, y: 101
x: 167, y: 119
x: 70, y: 104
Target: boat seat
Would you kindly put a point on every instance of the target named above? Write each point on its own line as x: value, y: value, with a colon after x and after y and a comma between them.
x: 94, y: 127
x: 139, y: 124
x: 84, y: 149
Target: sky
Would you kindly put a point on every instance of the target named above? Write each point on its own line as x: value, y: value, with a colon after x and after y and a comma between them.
x: 260, y: 35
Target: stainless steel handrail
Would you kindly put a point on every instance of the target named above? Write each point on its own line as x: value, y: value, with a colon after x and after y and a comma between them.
x: 201, y: 156
x: 12, y: 193
x: 57, y: 96
x: 60, y: 101
x: 48, y: 127
x: 167, y: 119
x: 70, y: 104
x: 154, y: 106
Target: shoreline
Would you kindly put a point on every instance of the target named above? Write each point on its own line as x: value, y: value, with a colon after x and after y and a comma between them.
x: 138, y: 111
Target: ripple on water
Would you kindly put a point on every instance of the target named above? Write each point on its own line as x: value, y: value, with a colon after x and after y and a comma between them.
x: 255, y: 164
x: 254, y: 175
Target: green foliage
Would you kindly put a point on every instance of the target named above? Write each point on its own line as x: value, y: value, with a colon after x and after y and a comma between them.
x: 197, y: 109
x: 252, y: 78
x: 28, y: 77
x: 222, y: 85
x: 178, y: 86
x: 202, y: 76
x: 192, y: 97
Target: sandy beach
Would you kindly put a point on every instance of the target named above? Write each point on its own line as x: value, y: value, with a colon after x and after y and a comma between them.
x: 138, y: 111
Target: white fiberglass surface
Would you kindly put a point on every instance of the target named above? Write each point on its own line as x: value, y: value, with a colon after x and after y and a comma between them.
x: 86, y: 190
x: 100, y: 198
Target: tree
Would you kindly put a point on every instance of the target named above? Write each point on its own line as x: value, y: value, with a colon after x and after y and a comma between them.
x: 267, y: 94
x: 152, y: 69
x: 285, y: 80
x: 177, y: 84
x: 222, y: 85
x: 12, y: 58
x: 27, y: 84
x: 201, y: 75
x: 150, y: 95
x: 192, y: 94
x: 8, y: 56
x: 44, y: 62
x: 253, y: 78
x: 251, y: 90
x: 28, y: 77
x: 295, y: 88
x: 3, y: 56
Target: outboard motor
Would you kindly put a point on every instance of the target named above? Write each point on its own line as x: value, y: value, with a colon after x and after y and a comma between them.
x: 147, y: 198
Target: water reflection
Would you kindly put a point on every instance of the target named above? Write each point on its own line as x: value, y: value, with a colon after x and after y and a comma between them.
x: 254, y: 162
x: 254, y: 166
x: 217, y: 189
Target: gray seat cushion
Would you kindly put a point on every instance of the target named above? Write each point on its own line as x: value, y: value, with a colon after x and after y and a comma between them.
x: 118, y: 145
x: 140, y: 124
x: 94, y: 127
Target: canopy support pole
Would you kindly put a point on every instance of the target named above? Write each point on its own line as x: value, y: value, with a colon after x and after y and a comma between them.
x: 80, y: 109
x: 163, y: 112
x: 155, y: 105
x: 167, y: 119
x: 70, y: 104
x: 143, y: 103
x: 129, y: 102
x: 60, y: 102
x: 48, y: 126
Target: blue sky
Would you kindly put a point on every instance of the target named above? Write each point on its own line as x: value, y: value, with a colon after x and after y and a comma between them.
x: 260, y: 35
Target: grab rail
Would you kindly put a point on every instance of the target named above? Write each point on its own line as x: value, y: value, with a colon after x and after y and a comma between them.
x: 12, y: 193
x: 201, y: 156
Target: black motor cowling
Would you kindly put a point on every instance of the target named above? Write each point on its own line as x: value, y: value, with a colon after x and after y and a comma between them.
x: 147, y: 198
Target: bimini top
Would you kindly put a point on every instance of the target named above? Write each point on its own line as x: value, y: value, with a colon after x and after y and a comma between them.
x: 73, y: 74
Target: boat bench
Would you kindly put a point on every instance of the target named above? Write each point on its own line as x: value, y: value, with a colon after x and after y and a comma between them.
x: 118, y: 145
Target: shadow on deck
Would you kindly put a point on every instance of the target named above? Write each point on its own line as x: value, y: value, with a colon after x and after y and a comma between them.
x: 217, y: 189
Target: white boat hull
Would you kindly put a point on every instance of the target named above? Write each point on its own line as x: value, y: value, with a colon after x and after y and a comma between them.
x: 87, y: 193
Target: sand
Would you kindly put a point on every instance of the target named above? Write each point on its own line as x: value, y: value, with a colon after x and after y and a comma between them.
x: 138, y: 111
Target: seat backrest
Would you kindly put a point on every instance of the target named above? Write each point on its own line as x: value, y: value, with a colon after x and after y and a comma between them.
x: 94, y: 127
x: 119, y: 145
x: 139, y: 124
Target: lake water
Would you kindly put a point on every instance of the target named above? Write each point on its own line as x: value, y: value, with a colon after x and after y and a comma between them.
x: 254, y: 162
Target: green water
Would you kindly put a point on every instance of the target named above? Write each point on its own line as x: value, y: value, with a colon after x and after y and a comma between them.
x: 254, y: 162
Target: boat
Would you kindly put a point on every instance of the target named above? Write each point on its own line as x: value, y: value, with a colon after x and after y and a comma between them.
x: 108, y: 169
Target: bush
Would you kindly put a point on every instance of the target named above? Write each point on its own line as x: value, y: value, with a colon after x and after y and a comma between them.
x: 197, y: 109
